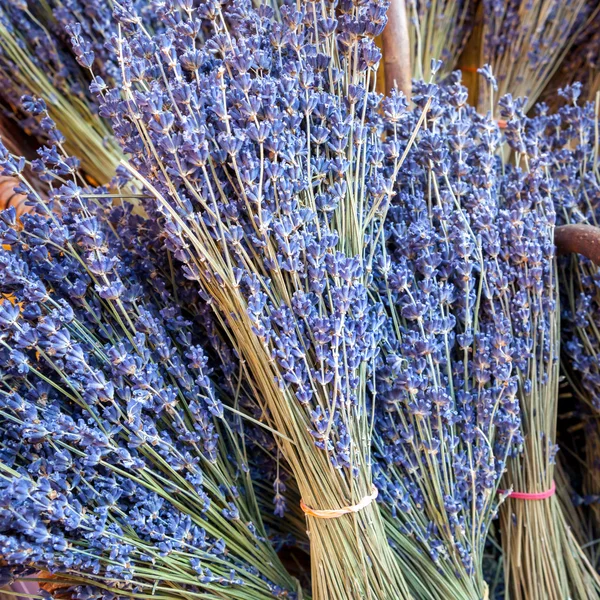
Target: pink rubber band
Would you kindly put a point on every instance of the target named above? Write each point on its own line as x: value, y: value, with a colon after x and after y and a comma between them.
x: 533, y: 496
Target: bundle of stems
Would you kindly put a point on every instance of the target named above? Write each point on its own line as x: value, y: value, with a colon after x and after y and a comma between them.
x: 438, y: 30
x: 263, y: 154
x: 121, y: 475
x: 454, y: 273
x: 525, y: 42
x: 541, y: 554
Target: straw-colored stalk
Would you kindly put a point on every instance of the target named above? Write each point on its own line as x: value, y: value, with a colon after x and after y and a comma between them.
x: 574, y: 514
x: 438, y: 30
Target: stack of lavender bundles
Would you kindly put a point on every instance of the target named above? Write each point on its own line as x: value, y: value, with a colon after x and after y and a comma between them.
x: 371, y: 278
x: 120, y: 474
x: 525, y: 42
x: 263, y: 153
x: 273, y: 193
x: 36, y: 60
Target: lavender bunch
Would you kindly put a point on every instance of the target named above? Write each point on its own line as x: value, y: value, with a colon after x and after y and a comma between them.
x: 548, y: 561
x: 448, y: 414
x: 438, y: 30
x: 36, y: 63
x: 121, y: 475
x: 263, y: 153
x: 525, y: 42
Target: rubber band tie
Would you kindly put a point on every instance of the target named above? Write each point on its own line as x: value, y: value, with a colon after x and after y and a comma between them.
x: 531, y: 496
x: 340, y: 512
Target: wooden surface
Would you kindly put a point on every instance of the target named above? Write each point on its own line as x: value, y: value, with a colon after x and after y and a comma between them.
x: 396, y: 49
x: 580, y: 239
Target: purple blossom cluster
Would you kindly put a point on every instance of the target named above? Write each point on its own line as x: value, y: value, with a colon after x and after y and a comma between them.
x: 117, y: 460
x: 87, y: 29
x: 145, y: 240
x: 29, y: 37
x: 573, y: 140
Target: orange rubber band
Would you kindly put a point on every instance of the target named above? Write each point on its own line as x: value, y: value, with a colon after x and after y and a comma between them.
x: 340, y: 512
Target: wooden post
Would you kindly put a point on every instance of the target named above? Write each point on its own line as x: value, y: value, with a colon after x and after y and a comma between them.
x: 581, y: 239
x: 396, y: 49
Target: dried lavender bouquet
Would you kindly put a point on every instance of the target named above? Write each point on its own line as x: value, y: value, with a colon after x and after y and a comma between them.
x: 120, y: 474
x: 467, y: 387
x: 448, y: 415
x: 542, y: 556
x: 262, y: 151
